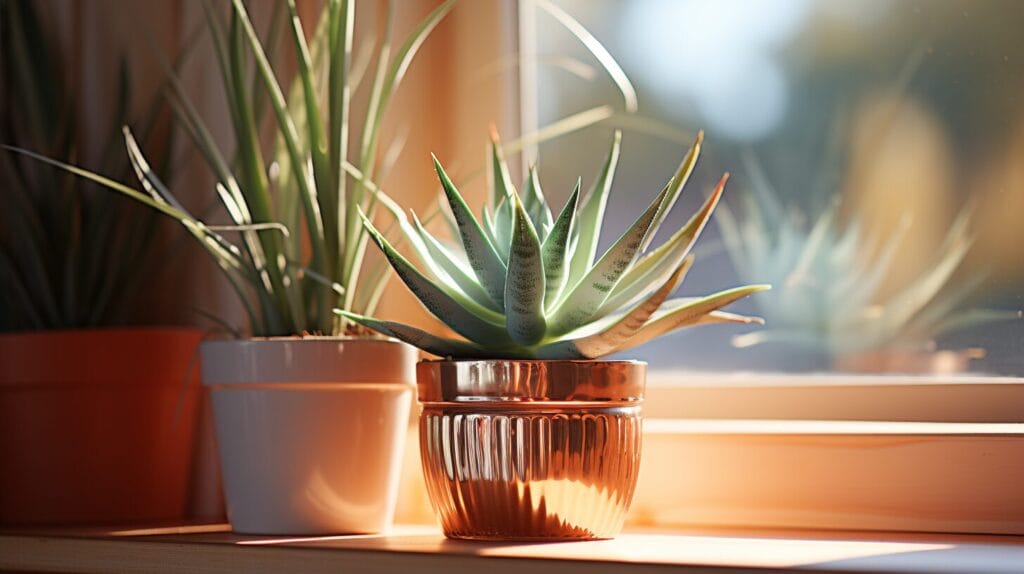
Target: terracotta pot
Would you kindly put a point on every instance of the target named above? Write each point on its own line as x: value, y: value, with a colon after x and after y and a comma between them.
x: 310, y: 431
x: 531, y: 450
x: 96, y: 426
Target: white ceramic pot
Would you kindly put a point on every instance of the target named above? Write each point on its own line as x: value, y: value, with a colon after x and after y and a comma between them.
x: 310, y: 431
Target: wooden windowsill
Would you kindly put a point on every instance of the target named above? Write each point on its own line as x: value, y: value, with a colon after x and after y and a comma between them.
x: 213, y: 548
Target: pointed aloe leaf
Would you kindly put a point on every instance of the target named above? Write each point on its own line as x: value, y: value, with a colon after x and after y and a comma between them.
x: 461, y: 314
x: 503, y: 220
x: 485, y: 261
x: 449, y: 219
x: 447, y: 262
x: 653, y: 267
x: 691, y: 312
x: 524, y: 286
x: 440, y: 346
x: 679, y: 179
x: 499, y: 179
x: 488, y: 227
x: 554, y: 251
x: 583, y: 299
x: 614, y: 336
x: 591, y: 215
x: 536, y: 205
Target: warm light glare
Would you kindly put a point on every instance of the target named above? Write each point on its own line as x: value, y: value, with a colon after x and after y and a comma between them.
x: 742, y: 92
x: 715, y: 551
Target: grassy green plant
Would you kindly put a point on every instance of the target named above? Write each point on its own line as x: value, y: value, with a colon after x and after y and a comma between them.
x: 528, y: 283
x: 829, y: 277
x: 71, y: 256
x: 296, y: 209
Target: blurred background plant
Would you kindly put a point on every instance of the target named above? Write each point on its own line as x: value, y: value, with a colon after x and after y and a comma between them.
x: 71, y: 255
x: 830, y: 272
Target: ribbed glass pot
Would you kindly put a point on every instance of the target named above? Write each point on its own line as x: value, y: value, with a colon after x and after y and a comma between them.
x: 528, y: 450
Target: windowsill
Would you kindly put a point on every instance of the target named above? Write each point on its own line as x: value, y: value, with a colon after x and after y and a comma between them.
x: 212, y: 548
x: 844, y: 475
x: 824, y: 396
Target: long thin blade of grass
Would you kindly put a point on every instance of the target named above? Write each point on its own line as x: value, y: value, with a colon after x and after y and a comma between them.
x: 595, y: 47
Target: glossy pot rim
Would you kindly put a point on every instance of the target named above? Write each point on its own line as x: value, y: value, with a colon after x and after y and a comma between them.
x: 530, y: 381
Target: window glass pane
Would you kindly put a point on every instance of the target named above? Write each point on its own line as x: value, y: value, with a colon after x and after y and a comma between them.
x: 877, y: 153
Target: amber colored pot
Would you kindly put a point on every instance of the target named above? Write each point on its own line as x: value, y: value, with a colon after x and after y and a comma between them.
x: 97, y: 426
x: 531, y: 450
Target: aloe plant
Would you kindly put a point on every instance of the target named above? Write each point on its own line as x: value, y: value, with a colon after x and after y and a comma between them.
x: 71, y: 256
x: 830, y: 275
x: 528, y: 283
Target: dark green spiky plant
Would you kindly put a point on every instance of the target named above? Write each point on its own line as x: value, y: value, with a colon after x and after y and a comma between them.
x: 528, y: 284
x: 71, y: 256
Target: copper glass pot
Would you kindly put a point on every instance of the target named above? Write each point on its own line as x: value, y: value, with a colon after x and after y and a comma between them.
x: 526, y: 450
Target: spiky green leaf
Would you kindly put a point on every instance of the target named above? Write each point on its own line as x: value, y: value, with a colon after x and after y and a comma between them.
x: 465, y: 317
x: 609, y: 339
x: 524, y: 285
x: 583, y: 300
x: 652, y: 268
x: 679, y: 179
x: 591, y: 216
x: 439, y: 346
x: 680, y: 313
x: 485, y: 261
x: 555, y: 250
x: 454, y: 268
x: 536, y: 204
x: 498, y: 177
